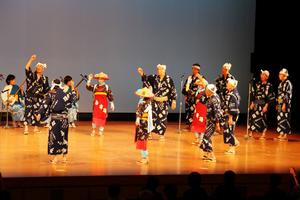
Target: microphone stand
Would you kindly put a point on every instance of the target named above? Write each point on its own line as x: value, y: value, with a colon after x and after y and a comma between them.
x: 180, y: 105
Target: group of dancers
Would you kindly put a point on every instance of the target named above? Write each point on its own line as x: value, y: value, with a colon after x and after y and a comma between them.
x: 209, y: 106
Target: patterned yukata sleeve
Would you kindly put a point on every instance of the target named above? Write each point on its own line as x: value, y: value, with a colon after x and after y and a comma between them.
x: 252, y: 92
x: 70, y: 99
x: 46, y: 104
x: 271, y: 95
x: 218, y: 115
x: 218, y: 84
x: 184, y: 92
x: 110, y: 95
x: 29, y: 74
x: 140, y: 110
x: 233, y: 105
x: 172, y: 94
x: 46, y: 86
x: 148, y: 81
x: 90, y: 87
x: 287, y: 92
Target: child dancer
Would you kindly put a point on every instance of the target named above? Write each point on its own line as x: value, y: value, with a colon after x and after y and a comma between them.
x: 102, y: 95
x: 144, y: 123
x: 199, y: 118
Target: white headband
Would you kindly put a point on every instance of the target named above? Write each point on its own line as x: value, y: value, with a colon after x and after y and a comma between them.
x: 55, y: 84
x: 44, y: 65
x: 232, y: 82
x: 212, y: 88
x: 266, y: 72
x: 227, y: 66
x: 284, y: 72
x: 164, y: 67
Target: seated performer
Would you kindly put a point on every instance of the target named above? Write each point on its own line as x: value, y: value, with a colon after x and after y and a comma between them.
x: 73, y: 111
x: 57, y: 102
x: 102, y: 95
x: 231, y: 114
x: 13, y: 96
x: 199, y: 118
x: 144, y: 123
x: 284, y: 102
x: 37, y: 88
x: 213, y: 120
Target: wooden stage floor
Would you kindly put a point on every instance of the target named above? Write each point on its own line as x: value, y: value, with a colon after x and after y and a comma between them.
x: 115, y: 153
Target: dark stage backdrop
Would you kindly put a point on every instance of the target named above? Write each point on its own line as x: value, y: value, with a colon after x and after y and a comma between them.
x: 114, y: 36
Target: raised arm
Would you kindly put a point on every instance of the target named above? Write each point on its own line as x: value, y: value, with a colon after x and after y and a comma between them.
x: 148, y: 81
x: 89, y: 86
x: 28, y: 64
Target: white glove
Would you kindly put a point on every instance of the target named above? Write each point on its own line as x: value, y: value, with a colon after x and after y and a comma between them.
x: 112, y: 106
x: 188, y: 83
x: 137, y: 121
x: 90, y: 77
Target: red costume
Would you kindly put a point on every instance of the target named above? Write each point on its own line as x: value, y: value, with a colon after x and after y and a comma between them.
x: 199, y: 118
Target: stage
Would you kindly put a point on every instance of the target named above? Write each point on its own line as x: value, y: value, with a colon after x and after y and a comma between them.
x: 115, y: 153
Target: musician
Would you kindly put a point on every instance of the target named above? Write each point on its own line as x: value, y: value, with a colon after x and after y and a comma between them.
x: 37, y: 88
x: 13, y: 96
x: 73, y: 111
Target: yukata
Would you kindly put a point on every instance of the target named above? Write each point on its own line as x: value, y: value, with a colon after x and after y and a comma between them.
x: 260, y: 95
x: 35, y: 93
x: 232, y: 102
x: 73, y: 111
x: 16, y: 107
x: 221, y: 83
x: 165, y: 92
x: 213, y: 116
x: 199, y: 118
x: 285, y: 89
x: 144, y: 115
x: 189, y: 91
x: 102, y: 96
x: 57, y: 103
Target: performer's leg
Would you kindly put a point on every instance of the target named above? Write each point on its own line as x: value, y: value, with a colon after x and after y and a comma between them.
x: 101, y: 130
x: 93, y: 129
x: 142, y: 146
x: 53, y: 159
x: 234, y: 143
x: 263, y: 126
x: 197, y: 139
x: 64, y: 158
x: 283, y: 125
x: 26, y: 131
x: 251, y: 127
x: 36, y: 129
x: 206, y: 144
